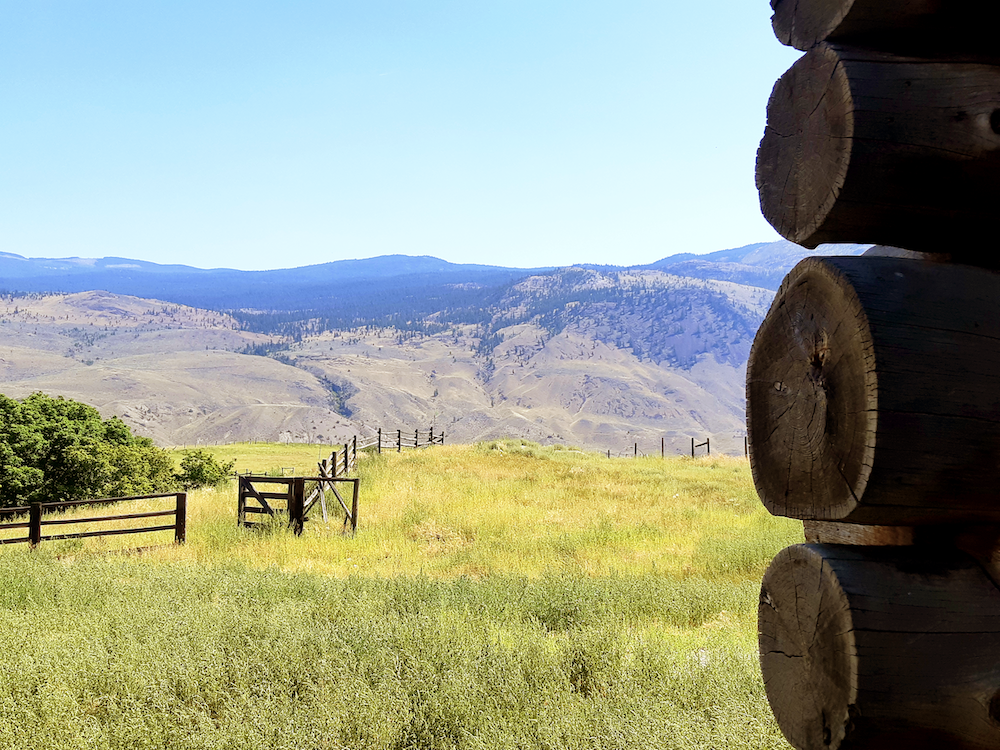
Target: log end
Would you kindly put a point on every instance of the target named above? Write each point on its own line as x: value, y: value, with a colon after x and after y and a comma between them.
x: 807, y: 649
x: 804, y: 155
x: 803, y: 25
x: 881, y: 647
x: 812, y: 397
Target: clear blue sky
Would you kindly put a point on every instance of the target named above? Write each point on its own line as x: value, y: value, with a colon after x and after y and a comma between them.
x: 274, y: 134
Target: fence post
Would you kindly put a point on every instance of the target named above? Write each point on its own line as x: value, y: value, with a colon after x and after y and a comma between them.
x: 692, y: 447
x: 609, y: 453
x: 708, y: 446
x: 354, y: 451
x: 636, y: 451
x: 296, y: 504
x: 180, y: 518
x: 416, y: 438
x: 347, y: 457
x: 380, y: 441
x: 430, y: 437
x: 35, y: 524
x: 241, y: 504
x: 663, y: 453
x: 354, y: 508
x: 442, y: 437
x: 399, y: 441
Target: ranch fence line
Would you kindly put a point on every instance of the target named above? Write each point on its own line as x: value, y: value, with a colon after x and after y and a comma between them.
x: 381, y: 440
x: 12, y: 518
x: 298, y: 499
x: 343, y: 459
x: 401, y: 439
x: 298, y: 496
x: 682, y: 446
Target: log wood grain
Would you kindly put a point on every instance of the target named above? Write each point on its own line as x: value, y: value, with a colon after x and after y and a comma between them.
x: 873, y: 148
x: 874, y: 648
x: 873, y: 393
x: 835, y: 532
x: 892, y: 25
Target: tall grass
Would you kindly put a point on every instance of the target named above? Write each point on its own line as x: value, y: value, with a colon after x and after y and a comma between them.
x: 501, y: 595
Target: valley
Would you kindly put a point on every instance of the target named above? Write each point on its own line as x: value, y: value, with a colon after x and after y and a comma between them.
x: 601, y: 358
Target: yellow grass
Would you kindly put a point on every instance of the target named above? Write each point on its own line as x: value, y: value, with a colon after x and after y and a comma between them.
x: 619, y: 596
x: 501, y: 507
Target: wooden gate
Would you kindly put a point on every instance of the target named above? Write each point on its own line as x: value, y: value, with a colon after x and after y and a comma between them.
x: 294, y: 497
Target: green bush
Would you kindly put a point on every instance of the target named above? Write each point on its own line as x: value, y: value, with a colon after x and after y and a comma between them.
x: 56, y: 449
x: 200, y: 469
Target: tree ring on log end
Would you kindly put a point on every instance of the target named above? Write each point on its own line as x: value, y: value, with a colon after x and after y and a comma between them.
x: 804, y: 155
x: 802, y: 25
x: 807, y: 649
x: 812, y: 397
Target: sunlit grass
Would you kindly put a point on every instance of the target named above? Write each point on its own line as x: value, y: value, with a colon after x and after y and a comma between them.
x: 499, y: 595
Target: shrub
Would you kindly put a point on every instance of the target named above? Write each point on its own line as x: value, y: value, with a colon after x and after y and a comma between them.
x: 56, y: 449
x: 200, y: 469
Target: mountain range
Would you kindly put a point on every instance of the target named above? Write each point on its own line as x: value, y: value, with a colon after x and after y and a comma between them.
x: 598, y: 356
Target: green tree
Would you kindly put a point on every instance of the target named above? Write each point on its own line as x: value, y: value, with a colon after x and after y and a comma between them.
x: 200, y: 469
x: 56, y: 449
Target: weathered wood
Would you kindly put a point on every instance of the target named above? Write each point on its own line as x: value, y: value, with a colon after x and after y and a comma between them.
x: 180, y: 518
x: 873, y: 648
x: 35, y: 524
x: 107, y: 532
x: 871, y: 148
x: 834, y: 532
x: 873, y: 393
x: 343, y: 505
x: 354, y: 506
x: 121, y: 517
x: 938, y: 25
x: 296, y: 505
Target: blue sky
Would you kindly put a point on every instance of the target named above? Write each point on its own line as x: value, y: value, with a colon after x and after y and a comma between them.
x: 267, y: 135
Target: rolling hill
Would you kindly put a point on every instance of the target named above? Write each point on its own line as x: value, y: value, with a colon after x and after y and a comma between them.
x: 600, y: 357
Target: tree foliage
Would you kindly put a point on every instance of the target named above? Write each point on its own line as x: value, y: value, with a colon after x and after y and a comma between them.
x: 56, y: 449
x: 200, y: 469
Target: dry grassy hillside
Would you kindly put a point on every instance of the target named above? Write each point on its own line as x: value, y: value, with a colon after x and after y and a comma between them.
x: 597, y: 359
x: 569, y: 388
x: 171, y: 372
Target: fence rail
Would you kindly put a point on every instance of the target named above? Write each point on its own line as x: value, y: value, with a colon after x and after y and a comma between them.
x: 300, y: 495
x: 36, y: 519
x: 389, y: 440
x: 678, y: 446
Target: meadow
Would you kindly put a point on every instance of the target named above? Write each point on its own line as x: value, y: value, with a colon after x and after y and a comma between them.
x: 502, y: 595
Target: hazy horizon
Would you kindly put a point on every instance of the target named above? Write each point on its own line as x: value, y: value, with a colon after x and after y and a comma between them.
x: 523, y: 134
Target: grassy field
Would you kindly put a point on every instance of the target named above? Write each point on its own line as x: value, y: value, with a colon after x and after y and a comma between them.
x: 498, y: 595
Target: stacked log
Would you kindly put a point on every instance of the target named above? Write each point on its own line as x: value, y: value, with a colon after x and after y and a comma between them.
x: 929, y: 26
x: 891, y: 647
x: 869, y: 147
x: 873, y: 393
x: 873, y: 387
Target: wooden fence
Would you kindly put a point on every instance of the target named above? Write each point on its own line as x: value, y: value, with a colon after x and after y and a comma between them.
x: 342, y: 460
x: 399, y: 439
x: 36, y: 522
x: 297, y: 495
x: 731, y: 446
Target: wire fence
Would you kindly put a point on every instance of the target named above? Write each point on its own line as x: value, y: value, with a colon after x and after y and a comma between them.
x: 726, y: 445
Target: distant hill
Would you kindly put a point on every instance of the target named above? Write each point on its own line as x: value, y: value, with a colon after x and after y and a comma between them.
x: 345, y: 287
x: 599, y: 357
x: 763, y: 264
